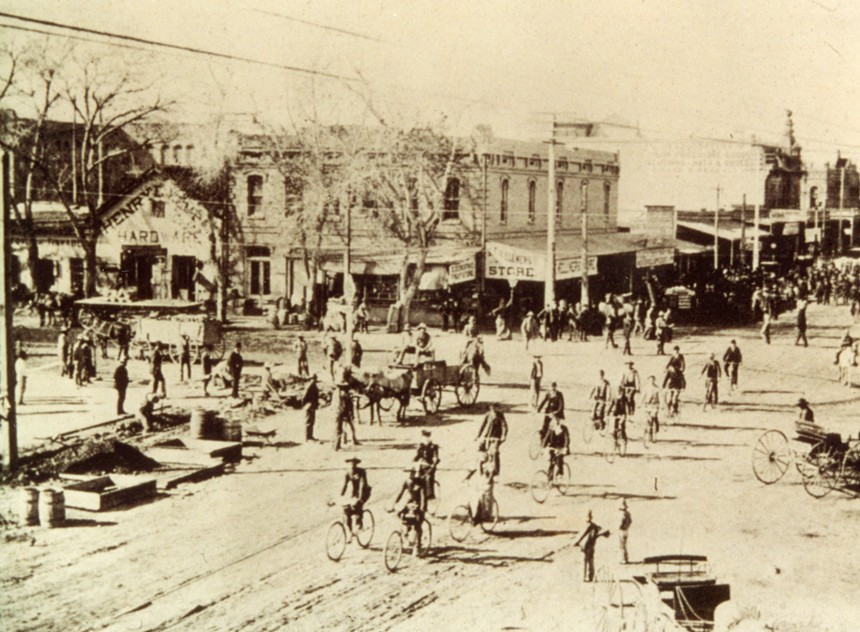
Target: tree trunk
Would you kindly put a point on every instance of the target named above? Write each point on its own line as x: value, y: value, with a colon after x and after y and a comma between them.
x: 90, y: 267
x: 409, y: 285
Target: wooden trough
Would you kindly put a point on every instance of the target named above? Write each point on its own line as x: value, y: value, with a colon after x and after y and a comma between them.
x: 195, y: 451
x: 105, y: 492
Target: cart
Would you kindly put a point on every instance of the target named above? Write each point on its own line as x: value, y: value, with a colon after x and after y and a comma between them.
x: 828, y: 463
x: 201, y: 332
x: 434, y: 376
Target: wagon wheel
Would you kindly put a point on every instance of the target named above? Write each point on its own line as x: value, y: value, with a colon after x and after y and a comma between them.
x: 431, y: 395
x: 196, y: 353
x: 174, y: 350
x: 625, y: 600
x: 219, y: 349
x: 467, y: 387
x: 601, y: 590
x: 771, y: 457
x: 849, y: 473
x: 820, y: 470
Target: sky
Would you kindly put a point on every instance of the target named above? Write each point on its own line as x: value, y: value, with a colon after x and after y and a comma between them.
x: 674, y: 68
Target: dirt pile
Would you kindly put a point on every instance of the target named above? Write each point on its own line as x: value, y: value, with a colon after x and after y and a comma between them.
x: 90, y: 457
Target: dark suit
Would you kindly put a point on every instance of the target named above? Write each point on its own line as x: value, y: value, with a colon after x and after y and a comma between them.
x: 235, y: 364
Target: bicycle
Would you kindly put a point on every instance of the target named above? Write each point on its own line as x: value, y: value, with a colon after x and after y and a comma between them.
x: 462, y: 519
x: 673, y: 403
x: 393, y: 552
x: 536, y: 441
x: 710, y: 394
x: 337, y: 539
x: 432, y: 503
x: 543, y: 481
x: 618, y: 442
x: 597, y: 423
x: 652, y: 425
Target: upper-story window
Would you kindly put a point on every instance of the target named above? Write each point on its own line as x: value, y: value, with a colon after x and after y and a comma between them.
x: 177, y: 154
x: 559, y: 199
x: 452, y: 199
x: 189, y: 154
x: 503, y: 202
x: 293, y: 189
x: 607, y: 190
x: 163, y: 154
x: 532, y: 201
x: 583, y: 196
x: 255, y: 195
x: 157, y: 204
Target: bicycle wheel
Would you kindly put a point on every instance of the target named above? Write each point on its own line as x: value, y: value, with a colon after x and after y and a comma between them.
x: 648, y: 434
x: 460, y: 523
x: 490, y: 521
x: 365, y: 534
x: 535, y: 445
x: 433, y: 503
x: 610, y: 450
x: 393, y: 552
x: 422, y: 547
x: 335, y: 541
x: 539, y: 486
x: 621, y: 447
x: 588, y: 430
x: 563, y: 480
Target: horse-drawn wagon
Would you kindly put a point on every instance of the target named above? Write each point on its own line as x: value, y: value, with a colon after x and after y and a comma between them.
x: 829, y: 462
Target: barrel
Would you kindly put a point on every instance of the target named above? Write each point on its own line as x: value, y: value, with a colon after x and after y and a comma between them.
x: 52, y: 508
x: 29, y: 508
x: 198, y: 424
x: 232, y: 430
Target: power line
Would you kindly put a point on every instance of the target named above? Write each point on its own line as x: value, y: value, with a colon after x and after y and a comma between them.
x: 334, y: 29
x: 176, y: 47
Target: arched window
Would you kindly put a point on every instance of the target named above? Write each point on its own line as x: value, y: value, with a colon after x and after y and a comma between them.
x: 503, y: 203
x: 813, y: 197
x: 177, y: 154
x: 452, y: 199
x: 255, y: 194
x: 189, y: 153
x: 607, y: 190
x: 559, y: 199
x: 532, y: 201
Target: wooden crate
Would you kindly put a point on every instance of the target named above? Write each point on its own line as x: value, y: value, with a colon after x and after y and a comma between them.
x: 105, y: 492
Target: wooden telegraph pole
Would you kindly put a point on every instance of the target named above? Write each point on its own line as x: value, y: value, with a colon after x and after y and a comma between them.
x: 549, y: 279
x: 7, y: 346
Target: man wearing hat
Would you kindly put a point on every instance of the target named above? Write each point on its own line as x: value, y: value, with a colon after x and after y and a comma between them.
x: 587, y: 542
x: 423, y: 346
x: 412, y: 512
x: 344, y: 415
x: 120, y: 384
x: 355, y: 351
x: 601, y: 397
x: 493, y: 432
x: 805, y: 413
x: 63, y: 351
x: 529, y: 328
x: 675, y: 380
x: 355, y: 491
x: 624, y: 530
x: 630, y: 386
x: 552, y: 405
x: 712, y: 373
x: 627, y: 331
x: 302, y: 357
x: 310, y: 404
x: 732, y: 359
x: 535, y: 378
x: 145, y: 414
x: 427, y: 459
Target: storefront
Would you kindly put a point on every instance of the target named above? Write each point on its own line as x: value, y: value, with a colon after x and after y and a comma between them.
x: 156, y: 243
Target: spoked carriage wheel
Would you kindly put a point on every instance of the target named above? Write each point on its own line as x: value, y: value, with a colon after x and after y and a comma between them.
x: 393, y: 552
x: 335, y: 541
x: 820, y: 470
x: 460, y: 523
x: 771, y: 457
x: 467, y: 387
x: 431, y: 396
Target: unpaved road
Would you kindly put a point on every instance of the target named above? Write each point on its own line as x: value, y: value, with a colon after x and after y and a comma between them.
x: 245, y: 551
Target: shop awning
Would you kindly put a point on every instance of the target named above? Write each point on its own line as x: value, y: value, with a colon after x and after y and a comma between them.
x: 728, y: 230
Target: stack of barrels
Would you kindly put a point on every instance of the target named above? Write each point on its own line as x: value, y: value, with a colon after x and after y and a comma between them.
x: 46, y: 507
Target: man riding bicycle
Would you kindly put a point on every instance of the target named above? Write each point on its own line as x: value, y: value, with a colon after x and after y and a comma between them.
x: 412, y: 512
x: 493, y: 432
x: 426, y: 459
x: 651, y: 403
x: 600, y: 397
x: 558, y: 442
x: 619, y: 412
x: 355, y: 482
x: 552, y: 405
x: 675, y: 381
x: 712, y: 373
x: 630, y: 386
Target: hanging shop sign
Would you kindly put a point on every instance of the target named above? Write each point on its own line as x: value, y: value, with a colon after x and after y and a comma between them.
x: 655, y: 257
x: 571, y: 267
x: 462, y: 271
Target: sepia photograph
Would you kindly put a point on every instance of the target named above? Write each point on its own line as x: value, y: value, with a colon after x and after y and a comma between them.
x: 425, y: 315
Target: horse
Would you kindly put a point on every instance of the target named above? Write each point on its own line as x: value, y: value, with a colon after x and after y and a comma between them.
x: 378, y: 385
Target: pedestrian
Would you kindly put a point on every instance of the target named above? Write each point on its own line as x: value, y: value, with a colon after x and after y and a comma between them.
x: 765, y: 326
x: 79, y: 355
x: 185, y: 358
x: 235, y: 363
x: 63, y: 351
x: 627, y: 332
x: 21, y: 373
x: 587, y: 542
x: 302, y: 357
x: 344, y: 416
x: 801, y: 323
x: 123, y: 338
x: 712, y: 373
x: 660, y: 333
x: 310, y: 404
x: 355, y: 352
x: 155, y: 370
x: 208, y: 362
x: 732, y: 359
x: 333, y: 352
x: 470, y: 329
x: 120, y: 384
x: 529, y: 328
x: 609, y: 327
x: 624, y: 531
x: 535, y: 378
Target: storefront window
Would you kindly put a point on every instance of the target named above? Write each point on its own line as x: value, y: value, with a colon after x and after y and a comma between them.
x: 255, y: 195
x: 260, y: 277
x: 503, y: 206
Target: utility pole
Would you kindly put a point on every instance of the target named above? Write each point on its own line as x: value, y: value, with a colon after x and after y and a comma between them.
x: 841, y: 205
x: 757, y: 217
x: 583, y: 216
x: 717, y: 232
x: 549, y: 278
x: 348, y: 287
x: 7, y: 348
x: 741, y: 255
x: 484, y: 202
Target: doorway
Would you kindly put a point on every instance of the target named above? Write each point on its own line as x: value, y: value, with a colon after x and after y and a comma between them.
x: 182, y: 277
x: 137, y: 269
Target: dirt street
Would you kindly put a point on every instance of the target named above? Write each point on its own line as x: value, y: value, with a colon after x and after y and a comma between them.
x: 245, y: 551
